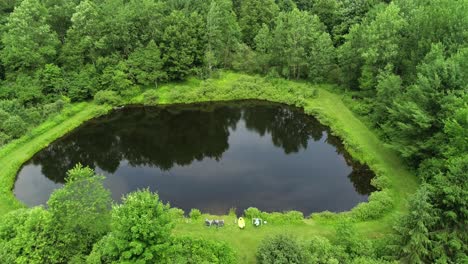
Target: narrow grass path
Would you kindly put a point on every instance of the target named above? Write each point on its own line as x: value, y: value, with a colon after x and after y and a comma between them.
x: 15, y: 154
x: 328, y: 107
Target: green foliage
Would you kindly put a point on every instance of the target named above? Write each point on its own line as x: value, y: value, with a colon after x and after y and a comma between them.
x: 195, y: 214
x: 151, y: 97
x: 196, y: 250
x: 82, y: 83
x: 140, y: 231
x: 253, y: 14
x: 116, y: 78
x: 180, y: 44
x: 82, y: 204
x: 323, y: 252
x: 25, y: 236
x: 145, y: 65
x: 14, y: 126
x: 107, y: 97
x: 290, y: 217
x: 51, y: 80
x: 176, y: 213
x: 405, y: 61
x: 379, y: 203
x: 414, y: 245
x: 297, y: 46
x: 28, y: 40
x: 76, y: 218
x: 281, y: 249
x: 349, y: 241
x: 222, y: 34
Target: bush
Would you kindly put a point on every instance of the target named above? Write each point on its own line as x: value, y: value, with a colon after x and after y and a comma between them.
x: 379, y: 203
x: 322, y: 251
x: 15, y: 126
x: 107, y: 97
x: 252, y: 212
x: 197, y: 250
x: 4, y: 138
x: 130, y: 92
x: 33, y: 116
x: 281, y: 249
x: 151, y: 97
x: 176, y: 213
x: 275, y: 217
x: 195, y: 214
x: 3, y: 116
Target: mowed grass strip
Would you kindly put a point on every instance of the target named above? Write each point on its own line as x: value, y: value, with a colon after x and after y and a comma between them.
x: 15, y: 154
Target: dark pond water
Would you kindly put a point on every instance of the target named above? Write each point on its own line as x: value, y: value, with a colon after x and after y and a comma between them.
x: 213, y: 157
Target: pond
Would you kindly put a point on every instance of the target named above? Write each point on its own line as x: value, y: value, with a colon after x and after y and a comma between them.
x: 212, y: 156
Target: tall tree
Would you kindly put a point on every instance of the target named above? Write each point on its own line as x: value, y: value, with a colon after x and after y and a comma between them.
x: 223, y: 33
x: 60, y: 13
x: 83, y: 38
x: 414, y: 231
x: 430, y: 22
x: 298, y: 45
x: 382, y: 36
x: 182, y: 46
x: 371, y: 46
x: 28, y: 41
x: 145, y: 65
x: 253, y: 14
x: 80, y: 214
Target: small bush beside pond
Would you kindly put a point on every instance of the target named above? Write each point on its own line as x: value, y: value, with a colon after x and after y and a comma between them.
x: 107, y: 97
x: 275, y: 217
x: 195, y: 214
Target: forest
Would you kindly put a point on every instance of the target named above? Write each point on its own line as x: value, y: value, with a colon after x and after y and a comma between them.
x: 400, y: 66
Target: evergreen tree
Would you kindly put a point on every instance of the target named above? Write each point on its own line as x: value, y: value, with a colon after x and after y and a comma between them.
x: 414, y: 230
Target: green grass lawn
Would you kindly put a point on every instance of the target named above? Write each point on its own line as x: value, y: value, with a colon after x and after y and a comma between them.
x: 328, y: 107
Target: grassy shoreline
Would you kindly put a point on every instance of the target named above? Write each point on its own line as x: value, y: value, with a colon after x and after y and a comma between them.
x: 371, y: 219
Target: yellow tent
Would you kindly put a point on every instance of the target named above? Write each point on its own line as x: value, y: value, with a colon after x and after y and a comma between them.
x: 241, y: 223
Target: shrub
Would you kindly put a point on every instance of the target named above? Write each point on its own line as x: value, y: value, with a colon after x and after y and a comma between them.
x: 379, y: 203
x: 275, y: 217
x: 197, y: 250
x: 281, y: 249
x: 107, y: 97
x: 150, y: 97
x: 15, y: 126
x: 130, y: 92
x: 3, y: 116
x: 322, y: 251
x: 195, y: 214
x: 352, y: 244
x: 176, y: 213
x: 252, y: 212
x: 33, y: 116
x: 4, y: 138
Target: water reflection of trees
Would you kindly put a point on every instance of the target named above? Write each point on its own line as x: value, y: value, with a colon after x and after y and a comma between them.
x: 290, y: 129
x: 178, y: 135
x: 144, y: 137
x: 361, y: 175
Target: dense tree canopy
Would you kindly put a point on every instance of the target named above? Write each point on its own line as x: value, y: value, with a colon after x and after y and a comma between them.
x: 401, y: 64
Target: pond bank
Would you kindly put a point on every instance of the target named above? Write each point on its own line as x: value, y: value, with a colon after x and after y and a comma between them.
x: 371, y: 219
